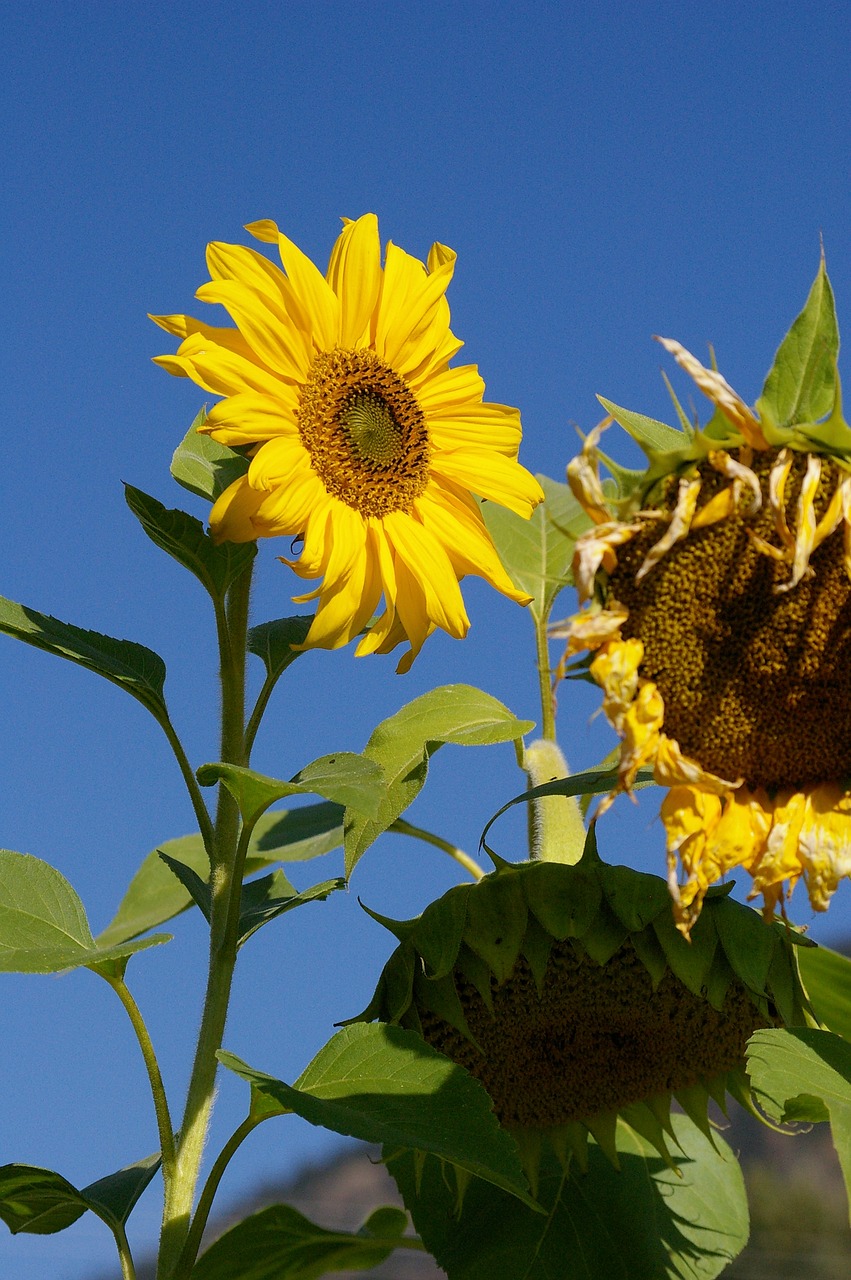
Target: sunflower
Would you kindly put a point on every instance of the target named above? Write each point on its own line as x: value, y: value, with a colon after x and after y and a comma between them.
x: 717, y: 593
x: 364, y: 444
x: 569, y: 994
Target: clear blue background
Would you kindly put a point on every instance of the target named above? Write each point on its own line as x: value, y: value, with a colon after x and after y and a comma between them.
x: 604, y: 171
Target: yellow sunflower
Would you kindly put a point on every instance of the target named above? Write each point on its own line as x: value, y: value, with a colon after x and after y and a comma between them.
x: 717, y: 593
x: 364, y: 443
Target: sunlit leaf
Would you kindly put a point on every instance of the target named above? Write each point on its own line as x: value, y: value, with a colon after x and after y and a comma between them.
x: 652, y: 436
x: 183, y: 538
x: 403, y: 744
x: 643, y: 1222
x: 43, y: 925
x: 804, y: 1074
x: 801, y: 385
x: 129, y: 665
x: 345, y: 777
x: 279, y: 1243
x: 384, y: 1084
x: 204, y: 467
x: 827, y: 977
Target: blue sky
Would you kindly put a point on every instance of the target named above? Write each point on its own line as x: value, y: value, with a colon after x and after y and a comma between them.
x: 605, y: 172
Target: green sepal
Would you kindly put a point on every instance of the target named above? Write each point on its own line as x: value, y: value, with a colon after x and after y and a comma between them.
x: 719, y: 977
x: 606, y: 935
x: 694, y: 1100
x: 800, y: 386
x: 439, y: 930
x: 565, y: 904
x: 440, y: 997
x: 650, y: 954
x: 529, y: 1144
x: 690, y: 960
x: 570, y: 1140
x: 496, y: 923
x: 603, y: 1128
x: 636, y: 899
x: 646, y: 1124
x: 203, y: 466
x: 536, y: 947
x: 478, y: 972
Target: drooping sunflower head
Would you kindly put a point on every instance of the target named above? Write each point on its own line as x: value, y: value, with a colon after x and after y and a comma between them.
x: 363, y: 442
x: 717, y: 594
x: 569, y: 993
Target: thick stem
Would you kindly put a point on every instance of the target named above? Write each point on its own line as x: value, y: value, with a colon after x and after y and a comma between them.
x: 211, y: 1186
x: 226, y: 888
x: 164, y: 1125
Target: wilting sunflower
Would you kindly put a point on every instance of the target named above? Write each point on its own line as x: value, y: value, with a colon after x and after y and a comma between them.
x: 364, y: 443
x: 568, y: 992
x: 718, y: 612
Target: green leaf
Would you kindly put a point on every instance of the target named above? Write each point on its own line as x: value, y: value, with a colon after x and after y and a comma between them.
x: 347, y: 778
x: 272, y: 896
x: 801, y: 385
x: 644, y: 1222
x: 403, y: 744
x: 537, y: 553
x: 41, y: 1202
x: 652, y: 436
x: 114, y: 1197
x: 184, y: 539
x: 204, y: 467
x: 273, y: 642
x: 196, y: 886
x: 129, y: 665
x: 43, y: 925
x: 279, y: 1243
x: 154, y: 895
x: 384, y: 1084
x: 827, y: 977
x: 295, y: 835
x: 37, y: 1201
x: 803, y: 1074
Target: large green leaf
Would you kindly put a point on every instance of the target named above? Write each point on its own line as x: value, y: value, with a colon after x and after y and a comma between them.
x: 204, y: 467
x: 537, y: 553
x: 43, y: 925
x: 804, y: 1074
x: 154, y: 895
x: 129, y: 665
x: 643, y: 1222
x: 352, y: 780
x: 279, y: 1243
x: 386, y: 1085
x: 801, y: 385
x: 272, y: 896
x: 183, y: 538
x: 41, y: 1202
x: 827, y: 977
x: 403, y: 744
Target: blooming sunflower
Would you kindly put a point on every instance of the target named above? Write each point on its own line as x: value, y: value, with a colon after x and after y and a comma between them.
x: 717, y: 593
x: 364, y: 443
x: 569, y: 994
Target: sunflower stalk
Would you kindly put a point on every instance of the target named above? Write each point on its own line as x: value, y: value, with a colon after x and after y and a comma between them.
x: 227, y: 858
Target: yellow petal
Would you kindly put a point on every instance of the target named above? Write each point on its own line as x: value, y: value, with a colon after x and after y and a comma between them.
x: 719, y: 392
x: 678, y: 528
x: 354, y: 273
x: 491, y: 475
x: 272, y: 334
x: 247, y: 418
x: 459, y: 527
x: 673, y: 769
x: 408, y: 307
x: 430, y: 584
x: 231, y: 519
x: 318, y: 303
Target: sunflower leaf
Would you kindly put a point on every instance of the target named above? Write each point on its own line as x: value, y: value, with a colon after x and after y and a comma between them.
x: 801, y: 385
x: 272, y: 896
x: 827, y: 977
x: 43, y: 925
x: 537, y: 553
x: 383, y: 1084
x: 652, y: 436
x: 403, y: 744
x: 273, y: 642
x: 184, y: 539
x: 349, y: 779
x: 131, y: 666
x: 804, y: 1074
x: 41, y: 1202
x: 644, y: 1222
x: 280, y: 1242
x: 204, y: 467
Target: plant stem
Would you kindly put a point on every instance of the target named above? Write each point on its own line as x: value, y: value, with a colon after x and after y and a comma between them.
x: 548, y: 718
x: 164, y: 1125
x: 128, y: 1269
x: 226, y: 889
x: 211, y: 1186
x: 469, y: 864
x: 202, y: 813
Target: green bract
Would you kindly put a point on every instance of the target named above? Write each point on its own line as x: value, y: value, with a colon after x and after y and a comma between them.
x: 569, y: 993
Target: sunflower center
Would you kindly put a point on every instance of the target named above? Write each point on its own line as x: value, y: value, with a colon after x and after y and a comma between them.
x: 365, y: 432
x: 754, y: 681
x: 596, y: 1038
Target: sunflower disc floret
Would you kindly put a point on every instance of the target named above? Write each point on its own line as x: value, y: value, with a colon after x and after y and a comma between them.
x: 717, y: 594
x: 569, y: 993
x: 364, y: 445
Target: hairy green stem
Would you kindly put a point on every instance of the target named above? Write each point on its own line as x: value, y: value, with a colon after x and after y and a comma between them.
x: 257, y: 714
x: 548, y: 716
x: 202, y: 813
x: 228, y: 853
x: 128, y: 1268
x: 469, y: 864
x: 211, y: 1186
x: 164, y: 1124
